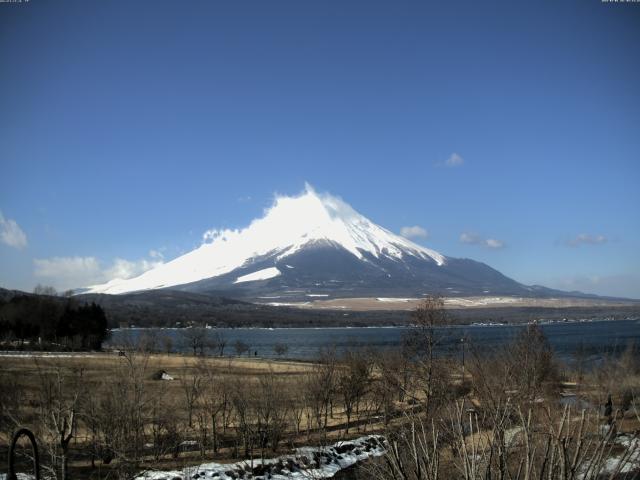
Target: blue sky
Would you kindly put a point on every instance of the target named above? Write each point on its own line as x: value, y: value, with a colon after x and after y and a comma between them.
x: 510, y: 132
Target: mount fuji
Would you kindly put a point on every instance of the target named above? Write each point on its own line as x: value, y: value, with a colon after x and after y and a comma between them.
x: 316, y: 245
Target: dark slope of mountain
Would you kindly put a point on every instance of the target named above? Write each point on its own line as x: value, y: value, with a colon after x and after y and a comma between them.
x: 325, y: 269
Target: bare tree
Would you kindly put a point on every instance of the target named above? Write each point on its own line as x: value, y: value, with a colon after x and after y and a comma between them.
x: 280, y: 349
x: 531, y: 354
x: 45, y: 290
x: 149, y: 341
x: 240, y: 347
x: 215, y: 400
x: 59, y: 402
x: 297, y: 406
x: 219, y: 342
x: 122, y: 412
x: 353, y: 378
x: 271, y: 411
x: 320, y: 388
x: 395, y: 378
x: 422, y: 342
x: 240, y: 398
x: 162, y: 424
x: 196, y: 339
x: 191, y: 389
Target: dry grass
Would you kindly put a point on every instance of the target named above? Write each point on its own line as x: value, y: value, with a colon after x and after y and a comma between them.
x: 100, y: 370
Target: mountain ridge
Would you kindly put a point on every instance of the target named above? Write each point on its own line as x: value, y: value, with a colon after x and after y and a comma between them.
x: 317, y: 245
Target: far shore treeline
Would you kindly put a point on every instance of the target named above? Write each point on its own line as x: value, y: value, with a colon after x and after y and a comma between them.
x: 51, y: 323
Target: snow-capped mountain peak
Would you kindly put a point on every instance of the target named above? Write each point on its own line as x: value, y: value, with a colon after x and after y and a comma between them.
x: 326, y: 217
x: 287, y: 227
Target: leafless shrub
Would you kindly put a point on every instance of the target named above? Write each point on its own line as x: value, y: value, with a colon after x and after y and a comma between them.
x: 352, y: 381
x: 195, y: 339
x: 422, y: 343
x: 240, y: 347
x: 280, y: 349
x: 58, y: 400
x: 121, y: 413
x: 214, y: 403
x: 271, y: 411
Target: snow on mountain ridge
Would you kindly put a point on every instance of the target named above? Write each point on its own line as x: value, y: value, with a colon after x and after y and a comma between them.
x: 287, y: 227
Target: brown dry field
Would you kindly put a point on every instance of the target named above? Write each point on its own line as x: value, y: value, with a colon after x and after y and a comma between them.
x: 98, y: 369
x: 96, y: 365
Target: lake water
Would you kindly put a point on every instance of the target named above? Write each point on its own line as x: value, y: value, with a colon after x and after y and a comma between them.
x: 593, y: 338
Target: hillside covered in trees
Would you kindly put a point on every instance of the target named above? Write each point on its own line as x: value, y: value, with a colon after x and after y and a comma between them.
x: 51, y: 322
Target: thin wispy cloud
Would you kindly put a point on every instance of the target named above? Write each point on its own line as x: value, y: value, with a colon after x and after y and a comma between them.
x: 415, y: 231
x: 470, y: 238
x: 453, y: 161
x: 475, y: 239
x: 74, y: 272
x: 494, y: 243
x: 157, y: 254
x: 11, y: 234
x: 587, y: 239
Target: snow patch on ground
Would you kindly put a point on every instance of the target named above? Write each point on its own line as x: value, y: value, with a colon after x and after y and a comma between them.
x: 306, y: 463
x: 13, y: 354
x: 383, y: 299
x: 288, y: 304
x: 480, y: 301
x: 626, y: 462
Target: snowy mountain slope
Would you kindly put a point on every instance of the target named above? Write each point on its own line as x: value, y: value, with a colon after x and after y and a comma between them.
x: 315, y: 245
x: 290, y: 226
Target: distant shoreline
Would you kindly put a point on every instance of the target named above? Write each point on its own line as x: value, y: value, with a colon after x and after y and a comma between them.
x: 407, y: 326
